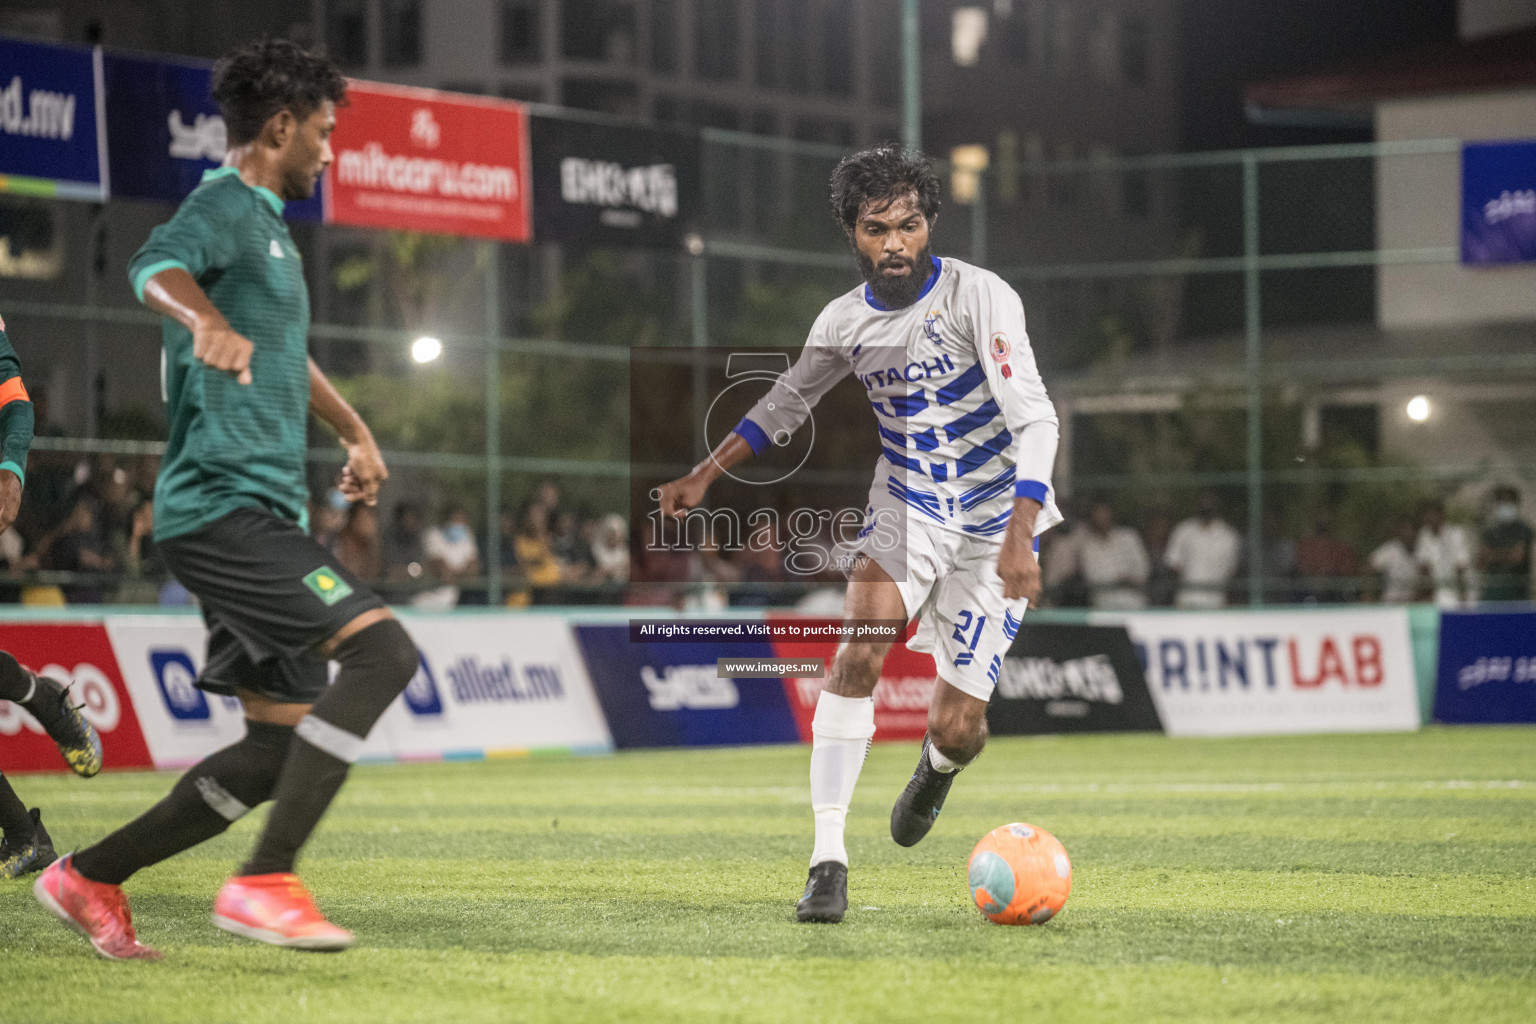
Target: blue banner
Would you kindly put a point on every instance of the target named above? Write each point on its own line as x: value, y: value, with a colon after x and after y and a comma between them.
x: 1487, y: 667
x: 164, y: 130
x: 1498, y: 202
x: 666, y: 694
x: 50, y: 144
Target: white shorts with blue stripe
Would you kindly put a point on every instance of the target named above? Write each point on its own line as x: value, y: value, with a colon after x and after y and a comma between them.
x: 949, y: 582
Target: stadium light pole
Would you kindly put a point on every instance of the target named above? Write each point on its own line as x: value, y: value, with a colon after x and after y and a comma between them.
x: 492, y: 562
x: 911, y: 78
x: 1252, y: 340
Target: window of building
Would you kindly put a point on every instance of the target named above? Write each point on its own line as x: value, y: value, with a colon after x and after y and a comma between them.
x: 1014, y: 33
x: 1133, y: 51
x: 600, y: 30
x: 1064, y: 186
x: 885, y: 58
x: 527, y: 92
x: 603, y: 95
x: 1104, y: 179
x: 967, y: 32
x: 402, y: 32
x: 1104, y: 47
x: 346, y: 32
x: 1062, y: 42
x: 520, y: 31
x: 716, y: 39
x: 666, y: 37
x: 1136, y: 193
x: 837, y: 47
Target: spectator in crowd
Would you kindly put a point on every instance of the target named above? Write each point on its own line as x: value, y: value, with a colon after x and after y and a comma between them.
x: 540, y: 566
x: 1505, y: 554
x: 452, y: 557
x: 77, y: 546
x: 404, y: 557
x: 1398, y: 567
x: 1061, y: 563
x: 357, y: 545
x: 568, y: 545
x: 1444, y: 553
x: 1163, y: 580
x: 506, y: 524
x: 1114, y: 562
x: 1279, y: 563
x: 1326, y: 563
x: 1206, y: 553
x: 610, y: 551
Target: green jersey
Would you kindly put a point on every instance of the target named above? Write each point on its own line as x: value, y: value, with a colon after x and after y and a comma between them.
x: 15, y: 411
x: 233, y: 445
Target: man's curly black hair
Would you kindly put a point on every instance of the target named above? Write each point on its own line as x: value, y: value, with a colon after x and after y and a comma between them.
x: 266, y: 76
x: 883, y: 175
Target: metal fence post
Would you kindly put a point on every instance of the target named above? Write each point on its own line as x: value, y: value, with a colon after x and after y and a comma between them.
x: 493, y: 423
x: 698, y: 302
x: 1252, y: 331
x: 979, y: 221
x: 911, y: 77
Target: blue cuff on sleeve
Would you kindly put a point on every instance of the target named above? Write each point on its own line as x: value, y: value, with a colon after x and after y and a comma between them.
x: 754, y: 436
x: 142, y: 277
x: 21, y: 474
x: 1031, y: 489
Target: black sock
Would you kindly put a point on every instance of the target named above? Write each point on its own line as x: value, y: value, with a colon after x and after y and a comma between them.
x: 377, y: 663
x: 15, y: 822
x: 38, y: 695
x: 205, y: 801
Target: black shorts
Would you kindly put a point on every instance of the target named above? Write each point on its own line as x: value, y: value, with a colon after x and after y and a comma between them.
x: 269, y: 595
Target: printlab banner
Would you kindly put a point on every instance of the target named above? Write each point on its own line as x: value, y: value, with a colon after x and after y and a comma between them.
x: 1487, y: 670
x: 1067, y: 678
x: 422, y: 160
x: 164, y: 130
x: 52, y: 141
x: 1498, y: 202
x: 1238, y: 673
x: 613, y: 185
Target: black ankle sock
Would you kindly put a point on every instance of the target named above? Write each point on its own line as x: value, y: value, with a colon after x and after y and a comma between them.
x: 203, y: 803
x: 38, y: 695
x: 15, y: 822
x: 377, y: 663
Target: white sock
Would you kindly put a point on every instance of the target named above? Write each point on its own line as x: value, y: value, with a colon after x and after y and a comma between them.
x: 941, y: 763
x: 841, y: 733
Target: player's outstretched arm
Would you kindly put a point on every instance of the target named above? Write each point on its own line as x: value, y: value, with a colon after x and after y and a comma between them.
x: 684, y: 493
x: 365, y: 471
x: 1016, y: 562
x: 175, y: 293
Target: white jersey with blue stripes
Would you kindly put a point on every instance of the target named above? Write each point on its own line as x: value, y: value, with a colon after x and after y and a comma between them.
x: 964, y: 419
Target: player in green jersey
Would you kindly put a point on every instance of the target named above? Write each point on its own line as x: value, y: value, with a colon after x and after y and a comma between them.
x: 26, y: 846
x: 229, y: 520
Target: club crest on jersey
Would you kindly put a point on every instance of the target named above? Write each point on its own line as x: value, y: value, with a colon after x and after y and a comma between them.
x: 931, y: 327
x: 1000, y: 351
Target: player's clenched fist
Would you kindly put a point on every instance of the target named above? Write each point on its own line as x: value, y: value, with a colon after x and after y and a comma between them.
x: 1020, y: 571
x: 220, y: 347
x: 680, y: 495
x: 10, y: 498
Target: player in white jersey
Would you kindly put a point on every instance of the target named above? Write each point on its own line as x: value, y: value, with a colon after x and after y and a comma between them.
x: 968, y: 439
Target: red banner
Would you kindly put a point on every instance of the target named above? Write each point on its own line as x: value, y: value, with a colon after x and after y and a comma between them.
x: 422, y: 160
x: 81, y: 654
x: 901, y: 697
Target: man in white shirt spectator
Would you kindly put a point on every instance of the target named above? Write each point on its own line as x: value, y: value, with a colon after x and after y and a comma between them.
x: 1444, y: 552
x: 1205, y: 552
x: 452, y: 555
x: 1398, y: 567
x: 1114, y: 562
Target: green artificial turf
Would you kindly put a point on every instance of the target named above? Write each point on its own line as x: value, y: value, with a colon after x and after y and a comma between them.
x: 1345, y: 878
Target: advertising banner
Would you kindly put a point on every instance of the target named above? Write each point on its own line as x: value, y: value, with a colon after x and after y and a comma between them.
x: 1238, y: 673
x: 613, y: 185
x: 164, y: 130
x: 52, y: 139
x: 421, y: 160
x: 78, y: 654
x: 1498, y: 202
x: 1487, y: 670
x: 902, y: 695
x: 1069, y: 678
x: 660, y: 694
x: 486, y: 686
